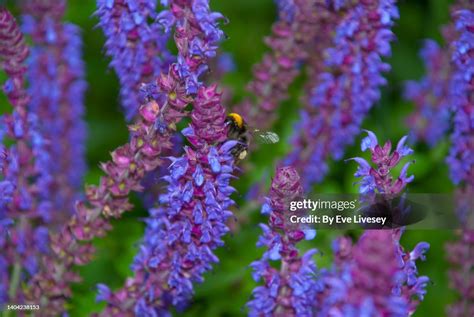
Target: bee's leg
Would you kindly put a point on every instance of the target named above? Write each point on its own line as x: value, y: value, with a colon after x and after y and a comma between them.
x: 239, y: 151
x: 236, y: 150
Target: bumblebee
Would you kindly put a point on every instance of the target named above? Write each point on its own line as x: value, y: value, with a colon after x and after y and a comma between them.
x: 239, y: 131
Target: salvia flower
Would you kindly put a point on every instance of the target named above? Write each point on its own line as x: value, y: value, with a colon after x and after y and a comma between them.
x: 31, y: 157
x: 13, y: 55
x: 56, y: 77
x: 461, y: 163
x: 291, y: 289
x: 459, y: 101
x: 181, y: 234
x: 292, y: 42
x: 378, y: 179
x: 197, y: 35
x: 326, y: 16
x: 6, y: 195
x: 346, y: 90
x: 338, y: 4
x: 461, y: 277
x: 136, y: 46
x: 21, y: 242
x: 6, y: 188
x: 409, y: 286
x: 430, y: 120
x: 286, y: 9
x: 364, y: 284
x: 358, y: 285
x: 461, y: 156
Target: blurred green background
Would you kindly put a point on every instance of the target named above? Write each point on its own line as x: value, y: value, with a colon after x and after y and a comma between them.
x: 228, y: 287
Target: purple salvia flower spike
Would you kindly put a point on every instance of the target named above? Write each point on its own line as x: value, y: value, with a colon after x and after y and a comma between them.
x: 407, y: 285
x: 292, y: 41
x: 459, y: 254
x: 359, y: 285
x: 183, y: 233
x: 56, y: 76
x: 291, y: 290
x: 461, y: 156
x: 460, y: 159
x: 345, y: 89
x: 195, y: 52
x: 137, y: 48
x: 20, y: 241
x: 410, y: 285
x: 431, y: 94
x: 379, y: 178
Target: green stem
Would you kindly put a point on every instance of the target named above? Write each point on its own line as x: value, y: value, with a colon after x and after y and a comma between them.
x: 16, y: 274
x: 15, y: 280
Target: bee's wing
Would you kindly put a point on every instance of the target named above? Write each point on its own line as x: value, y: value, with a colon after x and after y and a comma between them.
x: 266, y: 137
